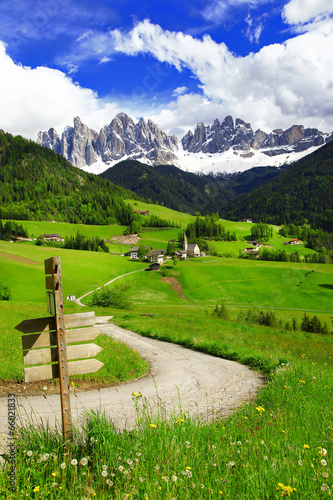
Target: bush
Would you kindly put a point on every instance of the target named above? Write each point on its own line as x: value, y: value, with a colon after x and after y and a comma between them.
x: 5, y: 293
x: 115, y: 297
x: 221, y: 312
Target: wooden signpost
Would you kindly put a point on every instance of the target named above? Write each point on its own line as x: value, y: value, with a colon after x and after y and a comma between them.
x: 45, y: 343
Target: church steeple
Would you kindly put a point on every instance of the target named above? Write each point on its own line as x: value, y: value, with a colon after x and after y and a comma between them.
x: 185, y: 243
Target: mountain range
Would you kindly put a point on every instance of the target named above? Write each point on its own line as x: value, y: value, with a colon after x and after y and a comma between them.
x: 227, y: 146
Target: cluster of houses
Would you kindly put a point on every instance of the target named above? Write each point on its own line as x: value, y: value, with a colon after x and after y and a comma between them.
x: 50, y: 237
x: 254, y: 249
x: 141, y: 212
x: 157, y: 256
x: 294, y: 241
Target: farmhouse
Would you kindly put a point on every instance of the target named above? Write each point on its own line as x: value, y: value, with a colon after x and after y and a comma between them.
x: 155, y: 266
x: 156, y: 256
x: 180, y: 254
x: 133, y: 251
x: 51, y: 237
x: 294, y: 241
x: 246, y: 220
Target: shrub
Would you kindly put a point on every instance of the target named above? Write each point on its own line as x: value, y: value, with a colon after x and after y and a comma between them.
x: 115, y: 297
x: 221, y: 312
x: 5, y: 293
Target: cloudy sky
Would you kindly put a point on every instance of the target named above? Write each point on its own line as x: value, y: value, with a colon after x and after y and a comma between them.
x: 268, y: 62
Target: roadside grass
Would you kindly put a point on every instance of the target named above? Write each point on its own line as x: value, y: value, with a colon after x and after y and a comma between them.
x: 279, y: 445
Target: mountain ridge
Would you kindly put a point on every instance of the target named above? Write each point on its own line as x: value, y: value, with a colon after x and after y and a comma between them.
x: 225, y: 146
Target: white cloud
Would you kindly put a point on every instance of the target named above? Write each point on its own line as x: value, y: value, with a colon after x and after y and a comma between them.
x: 179, y: 91
x: 219, y: 11
x: 40, y: 98
x: 303, y: 11
x: 280, y: 85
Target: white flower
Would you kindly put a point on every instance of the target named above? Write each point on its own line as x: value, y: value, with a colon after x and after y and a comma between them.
x: 109, y: 482
x: 262, y: 442
x: 74, y: 461
x: 83, y: 461
x: 120, y: 468
x: 104, y: 467
x: 265, y: 458
x: 174, y: 478
x: 29, y: 453
x: 63, y: 466
x: 141, y: 479
x: 325, y: 487
x: 44, y: 388
x: 239, y: 443
x: 92, y: 440
x: 45, y: 457
x: 104, y: 473
x: 323, y: 462
x: 300, y: 462
x: 323, y: 451
x: 325, y: 475
x: 129, y: 461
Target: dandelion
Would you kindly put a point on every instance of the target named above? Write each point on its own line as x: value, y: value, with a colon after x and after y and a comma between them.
x: 74, y: 462
x: 325, y: 475
x: 300, y: 462
x: 109, y: 482
x: 322, y: 452
x: 306, y: 446
x: 29, y: 453
x: 323, y: 463
x: 239, y: 443
x: 230, y: 464
x: 141, y: 479
x: 36, y: 489
x: 44, y: 388
x: 153, y: 425
x: 45, y: 457
x: 174, y: 478
x: 53, y: 474
x: 63, y: 466
x: 104, y: 473
x: 325, y: 487
x: 92, y: 440
x: 120, y: 468
x: 83, y: 461
x: 129, y: 461
x: 265, y: 458
x: 104, y: 467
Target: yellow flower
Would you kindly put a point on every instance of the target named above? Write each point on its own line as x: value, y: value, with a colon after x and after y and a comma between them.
x: 306, y: 446
x: 36, y: 489
x: 54, y: 474
x: 153, y: 425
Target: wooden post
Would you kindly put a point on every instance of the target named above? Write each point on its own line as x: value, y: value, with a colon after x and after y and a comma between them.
x: 53, y: 283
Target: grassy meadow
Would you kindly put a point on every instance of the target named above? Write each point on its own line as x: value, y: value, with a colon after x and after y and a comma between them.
x: 279, y: 445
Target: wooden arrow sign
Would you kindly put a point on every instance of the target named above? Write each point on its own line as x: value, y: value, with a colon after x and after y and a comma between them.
x: 46, y: 372
x: 43, y: 356
x: 48, y: 339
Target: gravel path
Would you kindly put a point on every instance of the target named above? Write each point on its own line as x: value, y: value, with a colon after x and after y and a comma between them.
x: 179, y: 379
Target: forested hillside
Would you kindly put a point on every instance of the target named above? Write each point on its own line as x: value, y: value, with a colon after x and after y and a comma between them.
x: 300, y: 194
x: 38, y: 184
x: 185, y: 191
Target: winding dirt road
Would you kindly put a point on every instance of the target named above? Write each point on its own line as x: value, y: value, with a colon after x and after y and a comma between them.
x: 179, y: 379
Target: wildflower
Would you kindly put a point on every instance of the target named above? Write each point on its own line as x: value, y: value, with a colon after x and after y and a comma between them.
x: 153, y: 425
x: 166, y: 479
x: 83, y: 461
x: 29, y: 453
x: 239, y: 443
x: 306, y: 446
x: 63, y: 466
x: 104, y: 473
x: 262, y: 442
x: 53, y: 474
x: 265, y: 458
x: 188, y: 468
x: 74, y: 461
x: 260, y: 410
x: 44, y: 388
x: 174, y: 478
x: 323, y: 462
x: 120, y: 468
x: 45, y: 457
x: 92, y: 440
x: 141, y: 479
x: 36, y: 489
x: 104, y: 467
x: 230, y: 464
x: 322, y: 452
x: 109, y: 482
x: 300, y: 462
x: 73, y: 384
x: 325, y: 487
x: 129, y: 461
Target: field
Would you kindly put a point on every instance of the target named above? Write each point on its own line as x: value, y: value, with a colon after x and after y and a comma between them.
x: 277, y: 446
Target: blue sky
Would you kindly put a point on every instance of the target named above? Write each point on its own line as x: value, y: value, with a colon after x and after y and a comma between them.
x: 268, y: 62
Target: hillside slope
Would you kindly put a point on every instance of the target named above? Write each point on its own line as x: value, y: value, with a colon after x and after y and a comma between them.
x: 185, y: 191
x: 302, y: 193
x: 38, y: 184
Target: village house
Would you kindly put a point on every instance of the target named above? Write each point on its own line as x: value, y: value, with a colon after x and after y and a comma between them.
x: 51, y: 237
x: 294, y: 241
x: 180, y: 254
x: 133, y: 251
x: 156, y: 256
x: 246, y: 220
x: 155, y: 266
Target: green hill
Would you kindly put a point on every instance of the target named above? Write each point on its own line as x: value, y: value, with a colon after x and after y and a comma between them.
x: 300, y: 194
x: 185, y: 191
x: 37, y: 184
